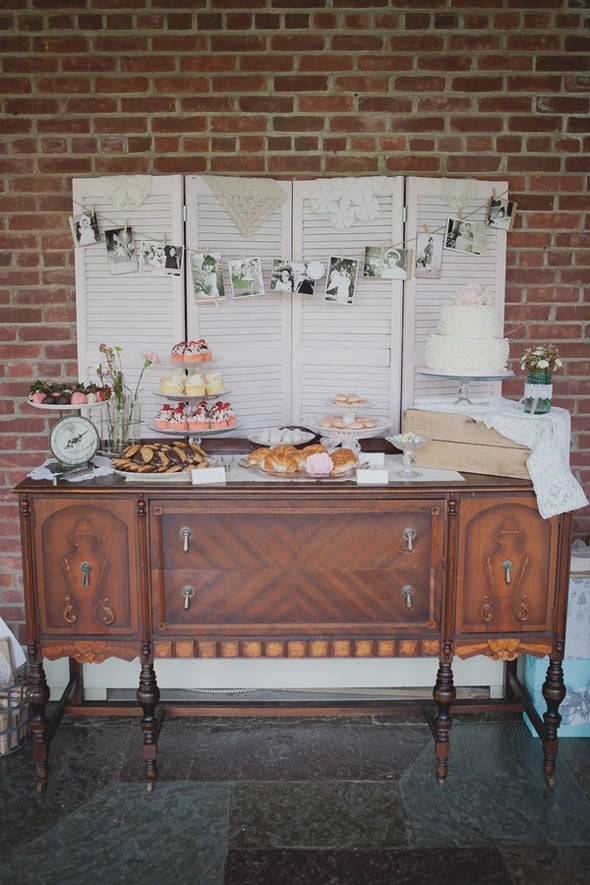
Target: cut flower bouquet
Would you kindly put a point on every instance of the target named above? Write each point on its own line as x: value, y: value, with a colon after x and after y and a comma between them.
x: 541, y: 358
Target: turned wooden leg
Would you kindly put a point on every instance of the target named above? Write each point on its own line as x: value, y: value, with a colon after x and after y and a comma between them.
x: 38, y: 696
x: 148, y: 696
x: 554, y: 693
x: 444, y: 694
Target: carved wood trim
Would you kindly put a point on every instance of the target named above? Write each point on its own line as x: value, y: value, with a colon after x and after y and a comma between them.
x: 296, y: 648
x: 502, y: 649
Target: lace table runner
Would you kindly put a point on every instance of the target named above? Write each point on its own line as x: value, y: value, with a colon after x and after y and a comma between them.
x: 548, y: 438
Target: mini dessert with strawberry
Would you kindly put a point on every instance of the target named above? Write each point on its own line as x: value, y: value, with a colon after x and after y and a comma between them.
x: 50, y: 393
x: 199, y: 419
x: 198, y: 351
x: 163, y: 417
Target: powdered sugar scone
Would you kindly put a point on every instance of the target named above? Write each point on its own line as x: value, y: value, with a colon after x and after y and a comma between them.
x: 214, y: 382
x: 172, y: 384
x: 195, y: 385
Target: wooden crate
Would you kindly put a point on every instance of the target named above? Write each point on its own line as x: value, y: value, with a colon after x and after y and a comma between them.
x: 457, y: 442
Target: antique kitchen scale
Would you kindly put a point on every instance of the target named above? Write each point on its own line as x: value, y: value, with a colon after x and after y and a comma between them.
x: 73, y: 440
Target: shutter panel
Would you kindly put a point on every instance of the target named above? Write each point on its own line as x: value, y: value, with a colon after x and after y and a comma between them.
x: 347, y: 348
x: 137, y: 311
x: 425, y: 297
x: 250, y: 338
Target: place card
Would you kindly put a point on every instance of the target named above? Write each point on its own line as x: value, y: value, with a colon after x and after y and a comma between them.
x: 372, y: 476
x: 208, y: 475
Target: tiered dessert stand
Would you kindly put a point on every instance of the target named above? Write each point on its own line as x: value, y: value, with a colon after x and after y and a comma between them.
x: 192, y: 435
x: 347, y: 437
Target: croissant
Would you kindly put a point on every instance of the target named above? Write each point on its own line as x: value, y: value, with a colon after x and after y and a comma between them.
x: 343, y: 460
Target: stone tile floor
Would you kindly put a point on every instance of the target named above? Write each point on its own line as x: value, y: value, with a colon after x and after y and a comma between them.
x: 297, y: 801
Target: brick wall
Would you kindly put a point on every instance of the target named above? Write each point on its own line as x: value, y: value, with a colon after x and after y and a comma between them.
x: 293, y: 88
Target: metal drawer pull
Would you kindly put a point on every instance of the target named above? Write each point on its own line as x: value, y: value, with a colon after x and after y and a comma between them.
x: 408, y: 535
x: 186, y: 534
x: 85, y: 568
x: 188, y: 592
x: 508, y: 565
x: 407, y: 591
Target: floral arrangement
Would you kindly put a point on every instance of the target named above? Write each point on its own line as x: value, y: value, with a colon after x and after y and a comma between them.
x: 111, y: 374
x: 541, y: 358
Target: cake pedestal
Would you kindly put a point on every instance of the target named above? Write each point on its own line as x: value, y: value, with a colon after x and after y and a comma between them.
x: 464, y: 379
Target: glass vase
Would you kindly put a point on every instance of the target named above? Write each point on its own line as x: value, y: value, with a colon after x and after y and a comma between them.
x: 121, y: 424
x: 538, y: 391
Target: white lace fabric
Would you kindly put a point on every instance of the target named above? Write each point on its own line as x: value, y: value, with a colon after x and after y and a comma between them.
x: 347, y: 200
x: 548, y: 438
x: 247, y: 201
x: 126, y: 191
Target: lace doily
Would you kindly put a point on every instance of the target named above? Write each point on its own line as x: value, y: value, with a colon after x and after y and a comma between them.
x: 457, y: 192
x: 248, y: 201
x: 347, y: 200
x: 548, y: 438
x: 126, y: 191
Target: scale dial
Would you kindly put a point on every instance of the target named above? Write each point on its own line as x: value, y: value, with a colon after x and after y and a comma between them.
x: 74, y: 440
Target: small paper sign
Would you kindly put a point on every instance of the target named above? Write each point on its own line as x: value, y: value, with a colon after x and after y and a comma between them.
x: 207, y: 475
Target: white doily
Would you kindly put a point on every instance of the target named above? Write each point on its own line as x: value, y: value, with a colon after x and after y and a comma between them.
x: 100, y: 466
x: 248, y: 201
x: 457, y: 192
x: 347, y: 200
x: 126, y: 191
x: 548, y: 438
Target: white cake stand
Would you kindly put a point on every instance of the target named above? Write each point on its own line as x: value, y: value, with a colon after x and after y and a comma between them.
x: 464, y: 379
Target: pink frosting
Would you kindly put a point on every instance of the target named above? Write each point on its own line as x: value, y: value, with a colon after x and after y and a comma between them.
x: 473, y: 294
x: 319, y: 465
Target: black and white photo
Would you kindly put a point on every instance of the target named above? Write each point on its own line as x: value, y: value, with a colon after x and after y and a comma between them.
x: 246, y: 277
x: 429, y: 248
x: 386, y: 262
x: 85, y: 230
x: 341, y: 280
x: 207, y: 276
x: 121, y: 254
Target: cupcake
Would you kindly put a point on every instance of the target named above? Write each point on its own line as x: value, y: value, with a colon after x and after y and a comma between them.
x: 172, y: 384
x: 214, y: 382
x: 195, y: 385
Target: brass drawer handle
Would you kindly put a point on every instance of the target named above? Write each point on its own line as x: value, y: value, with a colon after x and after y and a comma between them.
x: 188, y: 592
x: 408, y: 591
x: 186, y: 534
x: 408, y: 535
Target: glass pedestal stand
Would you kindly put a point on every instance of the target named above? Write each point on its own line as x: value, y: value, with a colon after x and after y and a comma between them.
x: 465, y: 380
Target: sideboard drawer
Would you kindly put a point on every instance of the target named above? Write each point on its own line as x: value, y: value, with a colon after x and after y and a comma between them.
x: 357, y: 570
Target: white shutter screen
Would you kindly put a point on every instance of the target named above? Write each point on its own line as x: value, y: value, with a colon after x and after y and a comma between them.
x: 140, y: 312
x: 427, y: 211
x: 341, y: 347
x: 250, y: 337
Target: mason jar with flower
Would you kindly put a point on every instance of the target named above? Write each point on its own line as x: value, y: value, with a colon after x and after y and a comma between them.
x: 540, y: 361
x: 122, y: 418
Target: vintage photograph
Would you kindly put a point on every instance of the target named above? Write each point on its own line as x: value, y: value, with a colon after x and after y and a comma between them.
x: 207, y: 275
x: 121, y: 254
x: 160, y: 258
x: 460, y: 236
x: 282, y: 278
x: 500, y: 214
x: 429, y: 249
x: 85, y: 229
x: 341, y: 281
x: 246, y: 277
x: 386, y: 262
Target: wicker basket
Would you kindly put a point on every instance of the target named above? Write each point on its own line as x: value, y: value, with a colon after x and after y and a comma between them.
x: 14, y: 714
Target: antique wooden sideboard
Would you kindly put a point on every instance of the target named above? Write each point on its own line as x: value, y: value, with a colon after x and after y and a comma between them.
x: 291, y: 570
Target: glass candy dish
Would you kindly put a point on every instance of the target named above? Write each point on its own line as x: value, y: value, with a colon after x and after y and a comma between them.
x: 408, y: 443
